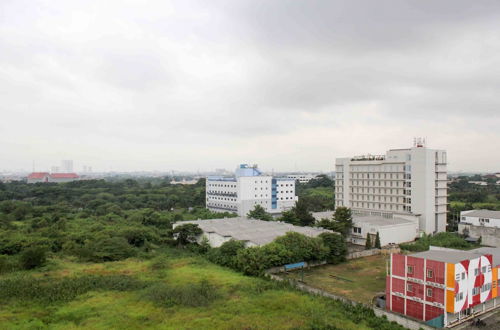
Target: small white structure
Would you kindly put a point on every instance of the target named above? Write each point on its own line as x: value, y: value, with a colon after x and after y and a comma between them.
x: 393, y: 230
x: 302, y: 178
x: 484, y: 218
x: 248, y: 188
x: 252, y: 232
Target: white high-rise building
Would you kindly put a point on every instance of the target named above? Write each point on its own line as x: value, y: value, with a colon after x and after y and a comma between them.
x: 403, y: 182
x: 66, y: 166
x: 248, y: 188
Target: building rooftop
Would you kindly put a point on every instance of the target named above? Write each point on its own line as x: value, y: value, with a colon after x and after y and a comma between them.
x: 380, y: 221
x: 64, y: 175
x: 258, y: 232
x: 38, y: 175
x: 482, y: 214
x: 370, y: 219
x: 455, y: 256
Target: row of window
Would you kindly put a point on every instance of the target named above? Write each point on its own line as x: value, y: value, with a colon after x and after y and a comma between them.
x: 429, y: 292
x: 376, y: 175
x: 222, y: 185
x: 376, y: 198
x: 484, y: 288
x: 375, y: 168
x: 377, y: 206
x: 381, y: 191
x: 222, y: 199
x: 370, y: 183
x: 429, y: 272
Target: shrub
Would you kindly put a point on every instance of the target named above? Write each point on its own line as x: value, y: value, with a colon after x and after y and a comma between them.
x: 225, y: 255
x: 108, y: 249
x: 199, y: 294
x: 33, y: 257
x: 337, y: 246
x: 51, y: 290
x: 7, y: 264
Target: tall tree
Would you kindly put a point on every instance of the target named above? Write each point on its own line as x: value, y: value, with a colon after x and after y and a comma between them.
x: 259, y: 213
x: 377, y: 241
x: 343, y: 218
x: 301, y: 210
x: 187, y: 233
x: 368, y: 244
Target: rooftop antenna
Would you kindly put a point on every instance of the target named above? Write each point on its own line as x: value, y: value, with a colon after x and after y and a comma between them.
x: 419, y: 142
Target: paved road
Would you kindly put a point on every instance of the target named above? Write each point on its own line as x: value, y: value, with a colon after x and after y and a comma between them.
x: 491, y: 319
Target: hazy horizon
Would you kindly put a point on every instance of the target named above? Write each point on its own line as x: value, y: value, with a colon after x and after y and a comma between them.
x: 196, y: 85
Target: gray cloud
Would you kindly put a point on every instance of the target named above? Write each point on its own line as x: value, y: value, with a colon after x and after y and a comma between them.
x: 197, y: 85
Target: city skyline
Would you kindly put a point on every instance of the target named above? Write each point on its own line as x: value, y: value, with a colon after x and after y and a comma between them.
x: 190, y: 85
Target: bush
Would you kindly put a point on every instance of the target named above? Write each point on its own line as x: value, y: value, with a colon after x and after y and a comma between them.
x: 33, y: 257
x: 225, y: 255
x: 51, y: 290
x: 194, y: 295
x: 448, y: 240
x: 337, y: 246
x: 108, y: 249
x: 7, y: 264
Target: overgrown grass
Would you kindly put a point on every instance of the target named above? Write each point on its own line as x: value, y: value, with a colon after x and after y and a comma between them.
x: 167, y: 293
x: 202, y: 293
x: 358, y: 280
x: 26, y: 288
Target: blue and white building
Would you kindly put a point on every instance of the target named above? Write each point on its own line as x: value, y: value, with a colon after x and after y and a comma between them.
x: 248, y: 188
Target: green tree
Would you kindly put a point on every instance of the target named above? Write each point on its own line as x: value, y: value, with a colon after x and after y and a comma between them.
x: 289, y: 217
x: 343, y: 217
x: 187, y: 233
x: 259, y: 213
x: 337, y: 246
x: 368, y: 244
x: 301, y: 210
x: 33, y: 257
x: 377, y: 241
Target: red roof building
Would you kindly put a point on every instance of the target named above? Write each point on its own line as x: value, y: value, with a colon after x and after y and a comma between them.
x: 36, y: 177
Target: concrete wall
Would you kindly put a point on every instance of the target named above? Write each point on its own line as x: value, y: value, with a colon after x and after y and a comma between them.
x: 489, y: 236
x: 492, y: 222
x: 401, y: 320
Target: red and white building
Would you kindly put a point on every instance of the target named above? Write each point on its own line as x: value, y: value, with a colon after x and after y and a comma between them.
x: 36, y: 177
x: 443, y: 286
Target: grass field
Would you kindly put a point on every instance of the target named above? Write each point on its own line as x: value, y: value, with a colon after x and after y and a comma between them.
x: 358, y: 280
x: 240, y: 302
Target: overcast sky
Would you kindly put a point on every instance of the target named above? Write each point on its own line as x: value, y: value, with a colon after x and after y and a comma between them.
x: 290, y: 85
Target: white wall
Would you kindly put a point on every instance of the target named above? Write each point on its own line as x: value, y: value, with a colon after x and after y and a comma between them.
x: 488, y: 222
x: 397, y: 233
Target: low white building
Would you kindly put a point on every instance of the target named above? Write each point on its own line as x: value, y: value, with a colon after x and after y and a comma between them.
x: 393, y: 230
x: 248, y: 188
x: 252, y: 232
x: 302, y: 178
x: 484, y: 218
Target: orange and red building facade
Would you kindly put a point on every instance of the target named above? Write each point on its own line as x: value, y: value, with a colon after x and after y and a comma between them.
x: 443, y: 286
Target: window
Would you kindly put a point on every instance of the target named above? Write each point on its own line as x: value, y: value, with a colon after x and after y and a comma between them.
x: 475, y: 291
x: 476, y: 271
x: 483, y: 269
x: 463, y: 276
x: 429, y: 273
x: 459, y: 296
x: 409, y: 287
x: 429, y: 292
x: 409, y: 270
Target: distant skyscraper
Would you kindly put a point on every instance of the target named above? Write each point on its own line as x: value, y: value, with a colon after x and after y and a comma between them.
x: 54, y: 169
x: 66, y: 166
